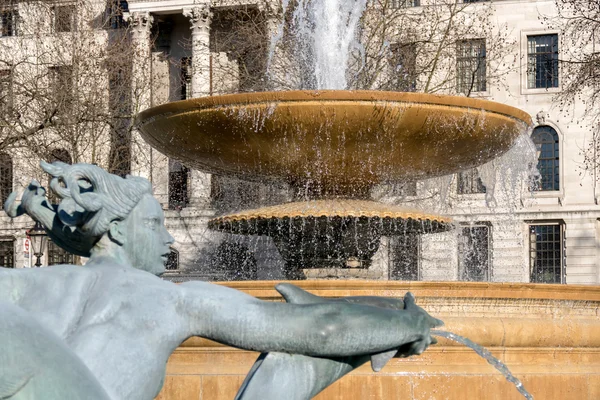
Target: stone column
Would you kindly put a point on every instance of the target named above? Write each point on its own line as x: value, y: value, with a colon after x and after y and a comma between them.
x: 200, y: 18
x: 141, y: 92
x: 140, y: 23
x: 273, y: 14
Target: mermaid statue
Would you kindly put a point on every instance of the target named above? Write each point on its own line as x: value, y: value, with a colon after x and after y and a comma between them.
x: 106, y: 330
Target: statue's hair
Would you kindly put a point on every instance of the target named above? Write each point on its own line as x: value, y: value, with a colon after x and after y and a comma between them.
x: 92, y: 198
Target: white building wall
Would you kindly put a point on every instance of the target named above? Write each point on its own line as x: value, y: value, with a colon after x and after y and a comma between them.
x: 574, y: 203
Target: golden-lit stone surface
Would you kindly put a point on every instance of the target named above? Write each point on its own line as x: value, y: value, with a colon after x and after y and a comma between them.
x: 548, y: 335
x: 342, y: 140
x: 393, y: 219
x: 333, y: 208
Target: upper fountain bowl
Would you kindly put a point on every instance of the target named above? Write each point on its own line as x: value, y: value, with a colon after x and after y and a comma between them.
x: 341, y: 141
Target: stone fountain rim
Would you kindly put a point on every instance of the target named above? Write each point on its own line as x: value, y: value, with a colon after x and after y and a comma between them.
x: 333, y: 96
x: 331, y: 208
x: 521, y: 291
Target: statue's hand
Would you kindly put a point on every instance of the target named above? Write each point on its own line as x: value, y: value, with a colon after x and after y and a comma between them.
x: 32, y: 200
x: 33, y: 197
x: 425, y: 323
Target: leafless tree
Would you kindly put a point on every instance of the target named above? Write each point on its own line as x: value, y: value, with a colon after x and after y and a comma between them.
x: 66, y: 81
x: 579, y: 25
x: 440, y: 46
x: 579, y: 61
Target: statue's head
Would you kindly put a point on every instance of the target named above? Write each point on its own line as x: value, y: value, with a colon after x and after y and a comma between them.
x: 106, y: 206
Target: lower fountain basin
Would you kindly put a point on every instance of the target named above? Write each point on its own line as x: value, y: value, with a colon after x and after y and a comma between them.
x: 548, y: 335
x: 335, y: 233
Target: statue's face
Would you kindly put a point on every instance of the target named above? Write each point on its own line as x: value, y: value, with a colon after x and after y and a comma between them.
x: 147, y: 241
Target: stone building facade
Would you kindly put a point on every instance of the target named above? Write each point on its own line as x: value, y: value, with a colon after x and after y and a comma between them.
x: 507, y: 232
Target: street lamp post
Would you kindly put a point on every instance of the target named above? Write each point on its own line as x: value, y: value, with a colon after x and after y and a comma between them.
x: 38, y: 240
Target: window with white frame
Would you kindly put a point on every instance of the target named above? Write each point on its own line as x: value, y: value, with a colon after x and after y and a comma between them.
x: 404, y: 3
x: 178, y: 185
x: 546, y: 253
x: 64, y: 18
x: 186, y: 78
x: 469, y: 182
x: 115, y: 12
x: 546, y: 143
x: 542, y: 61
x: 59, y: 256
x: 474, y: 252
x: 403, y: 67
x: 471, y: 70
x: 6, y: 89
x: 61, y: 86
x: 6, y: 176
x: 173, y: 260
x: 7, y: 252
x: 8, y: 21
x: 404, y: 258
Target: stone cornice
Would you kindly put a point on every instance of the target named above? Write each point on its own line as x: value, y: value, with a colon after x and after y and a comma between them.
x: 177, y: 6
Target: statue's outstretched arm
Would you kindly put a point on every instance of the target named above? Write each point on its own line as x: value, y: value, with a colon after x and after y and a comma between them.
x: 329, y: 329
x: 35, y: 204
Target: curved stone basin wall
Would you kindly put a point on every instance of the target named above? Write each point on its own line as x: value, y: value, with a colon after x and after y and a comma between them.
x: 548, y: 335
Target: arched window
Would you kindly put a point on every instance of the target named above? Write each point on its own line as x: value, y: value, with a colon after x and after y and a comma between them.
x: 546, y: 144
x: 178, y: 185
x: 6, y: 176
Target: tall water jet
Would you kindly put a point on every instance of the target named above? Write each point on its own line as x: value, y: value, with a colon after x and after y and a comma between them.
x: 322, y: 35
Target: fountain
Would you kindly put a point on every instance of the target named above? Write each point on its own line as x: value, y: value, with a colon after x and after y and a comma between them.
x: 332, y: 146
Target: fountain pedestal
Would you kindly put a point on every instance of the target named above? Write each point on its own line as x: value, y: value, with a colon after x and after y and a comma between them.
x: 548, y: 335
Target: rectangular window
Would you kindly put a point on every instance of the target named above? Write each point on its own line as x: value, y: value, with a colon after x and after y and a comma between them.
x: 172, y: 260
x: 6, y: 90
x: 61, y: 86
x: 542, y: 61
x: 405, y: 3
x: 178, y: 185
x: 7, y: 253
x: 6, y: 176
x: 404, y: 258
x: 403, y: 63
x: 57, y: 255
x: 471, y: 67
x: 546, y: 253
x: 115, y: 14
x: 469, y: 182
x: 8, y: 22
x: 474, y: 247
x: 186, y: 78
x: 64, y: 18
